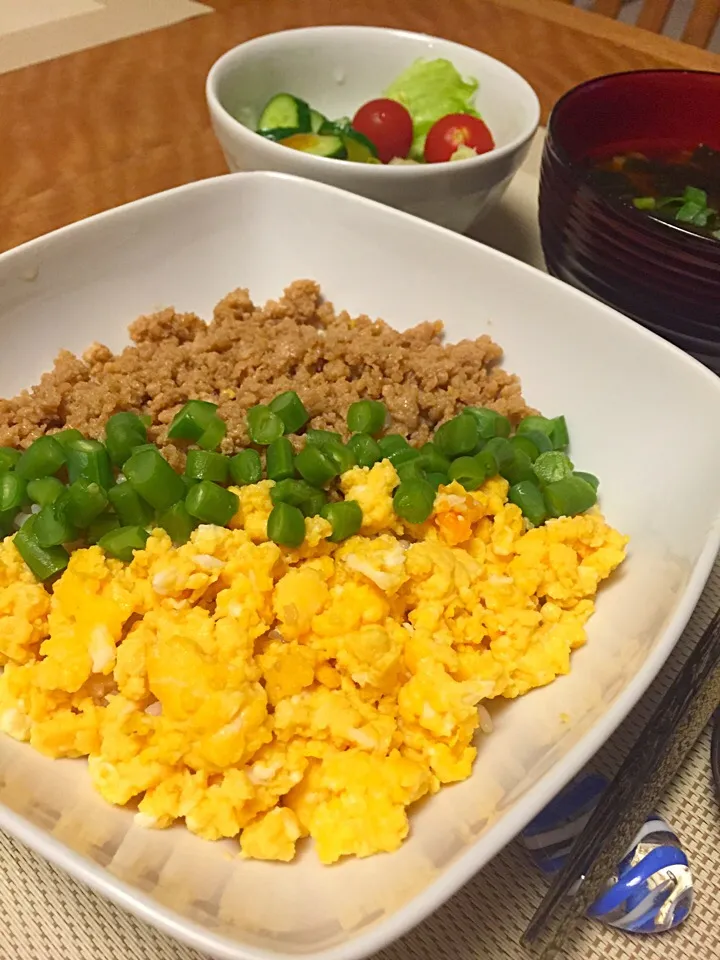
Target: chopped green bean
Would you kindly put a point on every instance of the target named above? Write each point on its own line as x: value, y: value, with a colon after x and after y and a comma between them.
x: 314, y: 504
x: 437, y: 480
x: 518, y: 469
x: 560, y: 435
x: 130, y: 506
x: 177, y: 523
x: 210, y: 503
x: 488, y: 461
x: 100, y: 526
x: 366, y: 416
x: 414, y: 500
x: 291, y: 410
x: 294, y: 492
x: 191, y: 421
x: 392, y: 443
x: 122, y: 542
x: 541, y: 441
x: 280, y: 460
x: 83, y: 502
x: 43, y: 562
x: 90, y: 459
x: 315, y: 466
x: 552, y: 466
x: 403, y: 455
x: 588, y: 478
x: 410, y: 469
x: 365, y: 449
x: 528, y: 497
x: 525, y: 444
x: 154, y: 479
x: 458, y: 436
x: 286, y: 525
x: 43, y: 458
x: 569, y: 497
x: 321, y: 437
x: 52, y: 526
x: 502, y: 451
x: 489, y: 422
x: 66, y: 438
x: 123, y: 432
x: 207, y: 465
x: 535, y: 423
x: 12, y: 492
x: 468, y: 472
x: 213, y: 434
x: 345, y: 517
x: 431, y: 460
x: 264, y: 426
x: 246, y: 467
x: 9, y: 457
x: 45, y: 490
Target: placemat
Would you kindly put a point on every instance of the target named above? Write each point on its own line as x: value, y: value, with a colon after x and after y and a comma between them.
x: 45, y: 915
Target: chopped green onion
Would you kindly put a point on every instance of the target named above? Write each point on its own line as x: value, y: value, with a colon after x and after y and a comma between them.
x: 264, y: 426
x: 130, y: 506
x: 552, y: 466
x: 569, y: 497
x: 458, y: 436
x: 90, y: 459
x: 286, y: 525
x: 291, y: 410
x: 52, y: 526
x: 213, y: 434
x: 177, y: 523
x: 246, y: 467
x: 489, y: 422
x: 280, y: 460
x: 295, y: 492
x: 83, y: 502
x: 688, y: 212
x: 12, y: 492
x: 123, y: 432
x: 210, y: 503
x: 315, y: 466
x: 414, y: 500
x: 207, y: 465
x: 528, y: 497
x: 43, y: 562
x: 366, y: 416
x: 43, y: 458
x: 45, y: 490
x: 345, y: 517
x: 644, y: 203
x: 365, y: 450
x: 154, y: 479
x: 9, y: 457
x: 695, y: 195
x: 123, y: 542
x: 190, y: 422
x: 468, y: 472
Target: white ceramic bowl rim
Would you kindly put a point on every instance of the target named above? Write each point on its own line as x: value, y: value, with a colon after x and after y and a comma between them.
x: 381, y: 170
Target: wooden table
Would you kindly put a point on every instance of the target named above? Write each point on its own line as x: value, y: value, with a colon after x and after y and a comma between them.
x: 117, y: 122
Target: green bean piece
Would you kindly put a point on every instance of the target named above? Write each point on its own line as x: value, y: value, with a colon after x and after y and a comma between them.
x: 541, y: 441
x: 291, y: 410
x: 457, y: 437
x: 246, y: 467
x: 345, y: 517
x: 488, y: 461
x: 52, y: 526
x: 145, y: 446
x: 414, y: 500
x: 431, y: 460
x: 213, y: 434
x: 528, y: 497
x: 123, y: 432
x: 177, y: 523
x: 100, y: 526
x: 294, y: 492
x: 207, y: 465
x: 130, y: 507
x: 588, y: 478
x: 403, y: 455
x: 365, y: 449
x: 502, y: 451
x: 391, y: 444
x: 410, y: 469
x: 191, y: 421
x: 210, y: 503
x: 189, y: 482
x: 43, y: 458
x: 264, y: 426
x: 569, y: 497
x: 489, y: 422
x: 9, y: 457
x: 12, y: 492
x: 535, y: 423
x: 83, y: 501
x: 468, y: 472
x: 45, y: 490
x: 321, y: 437
x: 366, y: 416
x: 519, y: 468
x: 560, y: 435
x: 523, y: 443
x: 341, y: 455
x: 314, y: 504
x: 66, y: 438
x: 437, y: 480
x: 154, y: 479
x: 90, y: 459
x: 315, y: 466
x: 280, y: 460
x: 122, y: 542
x: 552, y: 466
x: 43, y: 562
x: 286, y: 525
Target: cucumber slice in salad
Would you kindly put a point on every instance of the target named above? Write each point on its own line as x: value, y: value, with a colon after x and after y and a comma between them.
x: 279, y: 133
x: 317, y: 121
x: 359, y: 148
x: 285, y: 112
x: 318, y: 145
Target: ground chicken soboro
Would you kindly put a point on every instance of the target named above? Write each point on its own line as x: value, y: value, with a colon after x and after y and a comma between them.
x: 249, y: 354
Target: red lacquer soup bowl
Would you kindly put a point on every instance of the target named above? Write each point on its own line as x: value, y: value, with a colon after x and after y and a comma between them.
x: 658, y: 273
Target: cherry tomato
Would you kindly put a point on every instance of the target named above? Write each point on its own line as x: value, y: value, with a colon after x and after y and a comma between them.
x: 453, y: 131
x: 387, y: 125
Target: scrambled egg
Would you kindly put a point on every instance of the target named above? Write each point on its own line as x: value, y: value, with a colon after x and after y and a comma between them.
x: 271, y: 694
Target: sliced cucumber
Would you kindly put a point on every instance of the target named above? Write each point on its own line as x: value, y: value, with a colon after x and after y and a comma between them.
x: 359, y: 148
x: 279, y: 133
x: 319, y: 146
x: 317, y: 121
x: 335, y: 127
x: 285, y: 111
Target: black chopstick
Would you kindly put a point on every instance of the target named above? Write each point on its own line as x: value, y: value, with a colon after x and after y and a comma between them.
x: 677, y: 722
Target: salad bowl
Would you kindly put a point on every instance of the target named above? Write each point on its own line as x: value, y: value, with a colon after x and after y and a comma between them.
x: 336, y: 70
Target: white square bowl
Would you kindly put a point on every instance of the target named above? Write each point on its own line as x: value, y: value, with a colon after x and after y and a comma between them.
x: 641, y: 416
